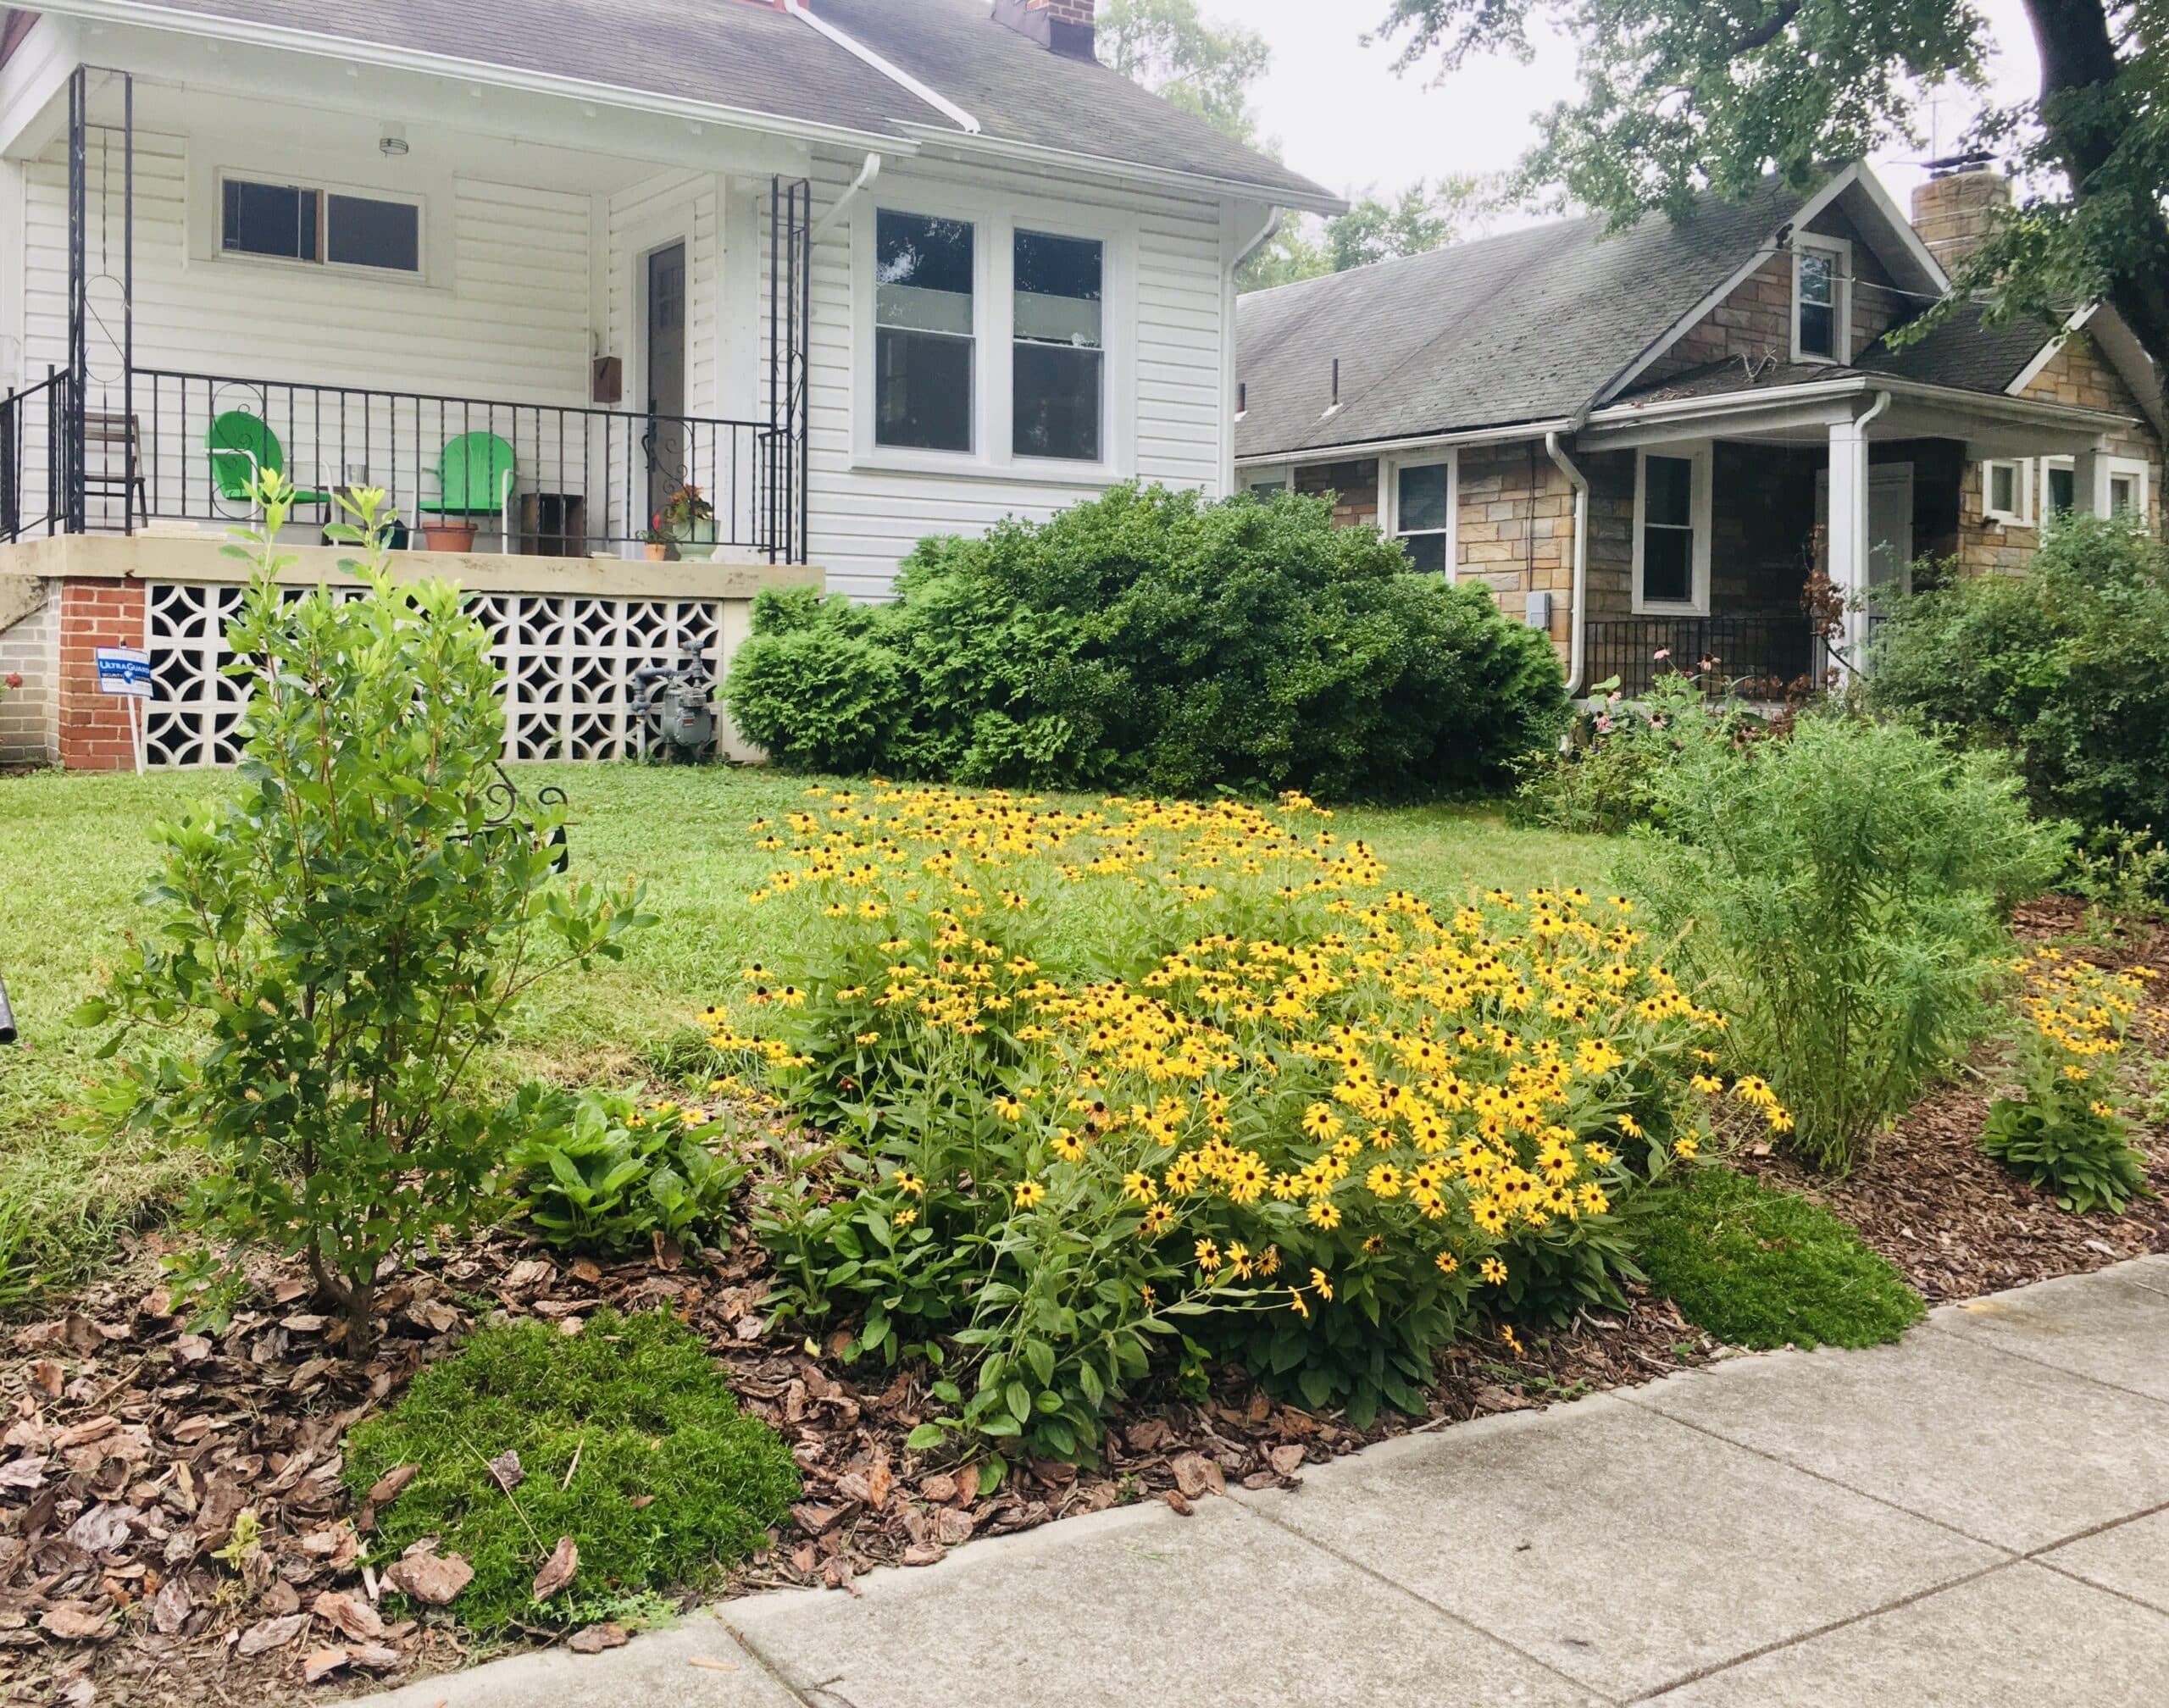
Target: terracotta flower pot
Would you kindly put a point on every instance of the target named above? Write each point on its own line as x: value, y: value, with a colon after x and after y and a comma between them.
x: 658, y: 551
x: 445, y: 536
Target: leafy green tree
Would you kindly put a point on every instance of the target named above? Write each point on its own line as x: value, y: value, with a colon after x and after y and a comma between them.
x: 1677, y: 96
x: 1202, y: 67
x: 1424, y: 217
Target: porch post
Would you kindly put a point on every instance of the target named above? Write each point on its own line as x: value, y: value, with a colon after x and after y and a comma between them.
x: 2089, y: 486
x: 1849, y: 530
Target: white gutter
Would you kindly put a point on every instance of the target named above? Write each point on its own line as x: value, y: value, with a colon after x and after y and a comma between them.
x: 1991, y: 404
x: 896, y: 74
x: 1577, y: 656
x: 1131, y: 171
x: 1383, y: 447
x: 867, y: 174
x: 385, y: 56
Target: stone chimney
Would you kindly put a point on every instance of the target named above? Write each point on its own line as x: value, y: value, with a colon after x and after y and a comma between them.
x: 1064, y: 27
x: 1959, y: 206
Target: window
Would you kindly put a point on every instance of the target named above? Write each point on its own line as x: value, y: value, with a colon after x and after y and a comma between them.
x: 2006, y: 492
x: 1822, y: 331
x: 2126, y: 486
x: 1672, y: 537
x: 292, y: 222
x: 1058, y: 359
x: 1422, y: 514
x: 924, y: 326
x: 2127, y: 491
x: 2059, y: 488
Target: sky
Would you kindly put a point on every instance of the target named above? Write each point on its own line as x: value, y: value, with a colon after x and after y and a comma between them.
x: 1345, y: 119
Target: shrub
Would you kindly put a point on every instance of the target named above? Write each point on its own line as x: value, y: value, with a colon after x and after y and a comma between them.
x: 1189, y: 1077
x: 601, y: 1173
x: 1758, y: 1267
x: 339, y: 940
x: 629, y: 1442
x: 1150, y: 640
x: 1837, y: 894
x: 1603, y: 780
x: 2068, y: 1133
x: 2064, y: 667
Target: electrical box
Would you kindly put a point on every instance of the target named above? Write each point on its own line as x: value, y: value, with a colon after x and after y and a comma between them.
x: 1537, y: 610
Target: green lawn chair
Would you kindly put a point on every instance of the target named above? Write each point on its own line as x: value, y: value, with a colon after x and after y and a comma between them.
x: 475, y: 478
x: 242, y: 448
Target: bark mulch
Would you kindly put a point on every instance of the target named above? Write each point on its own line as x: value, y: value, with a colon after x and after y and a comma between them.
x: 1957, y: 1222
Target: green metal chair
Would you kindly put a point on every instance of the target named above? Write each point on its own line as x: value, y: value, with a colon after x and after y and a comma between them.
x: 242, y: 448
x: 475, y: 475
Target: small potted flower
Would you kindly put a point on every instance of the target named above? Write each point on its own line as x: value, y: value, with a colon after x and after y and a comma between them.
x: 661, y: 547
x: 689, y: 519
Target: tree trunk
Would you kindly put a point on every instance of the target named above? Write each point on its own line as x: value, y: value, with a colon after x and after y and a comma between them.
x: 2078, y: 58
x: 355, y: 1304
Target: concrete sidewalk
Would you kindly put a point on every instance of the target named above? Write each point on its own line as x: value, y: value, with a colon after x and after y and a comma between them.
x: 1979, y: 1515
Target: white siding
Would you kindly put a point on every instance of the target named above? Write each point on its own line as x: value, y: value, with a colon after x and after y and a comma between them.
x: 864, y: 519
x: 668, y: 207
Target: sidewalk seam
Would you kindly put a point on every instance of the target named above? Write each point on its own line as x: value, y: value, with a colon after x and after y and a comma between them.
x: 1990, y: 1345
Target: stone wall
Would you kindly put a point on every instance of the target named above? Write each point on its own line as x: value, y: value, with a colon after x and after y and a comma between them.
x: 30, y: 647
x: 1355, y: 487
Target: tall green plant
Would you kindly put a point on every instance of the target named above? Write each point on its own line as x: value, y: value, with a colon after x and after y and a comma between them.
x: 1838, y: 894
x: 341, y: 941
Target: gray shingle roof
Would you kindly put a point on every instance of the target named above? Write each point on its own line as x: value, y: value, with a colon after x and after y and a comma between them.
x: 756, y: 59
x: 1526, y: 326
x: 1965, y: 352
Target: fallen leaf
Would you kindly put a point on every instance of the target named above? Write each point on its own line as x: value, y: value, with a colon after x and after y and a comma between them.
x: 1287, y: 1460
x: 431, y: 1579
x: 75, y: 1622
x: 921, y: 1554
x: 25, y: 1473
x: 348, y: 1614
x: 595, y: 1638
x: 506, y: 1468
x: 171, y: 1606
x: 82, y: 1434
x: 392, y: 1485
x: 558, y: 1569
x: 322, y: 1664
x: 1197, y: 1476
x: 267, y: 1635
x: 48, y: 1376
x: 103, y: 1529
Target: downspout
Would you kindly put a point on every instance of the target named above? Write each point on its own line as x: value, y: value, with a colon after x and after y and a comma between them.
x: 867, y: 174
x: 1578, y: 646
x: 896, y: 74
x: 1230, y: 346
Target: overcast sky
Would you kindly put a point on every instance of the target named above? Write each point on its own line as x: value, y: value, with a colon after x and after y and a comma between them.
x: 1345, y: 119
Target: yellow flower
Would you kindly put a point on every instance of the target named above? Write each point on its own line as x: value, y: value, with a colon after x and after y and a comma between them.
x: 1493, y: 1270
x: 903, y: 1218
x: 1384, y: 1181
x: 911, y: 1183
x: 1141, y: 1187
x: 1157, y: 1220
x: 1447, y: 1262
x: 1296, y: 1302
x: 1207, y: 1254
x: 1027, y: 1193
x: 1321, y: 1284
x: 1686, y: 1145
x: 1325, y: 1213
x: 1008, y: 1108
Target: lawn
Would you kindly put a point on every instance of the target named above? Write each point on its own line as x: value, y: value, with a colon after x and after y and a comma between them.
x: 75, y: 854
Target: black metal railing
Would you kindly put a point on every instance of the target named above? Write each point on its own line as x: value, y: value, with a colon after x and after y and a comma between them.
x: 34, y: 485
x: 1762, y: 654
x: 183, y: 447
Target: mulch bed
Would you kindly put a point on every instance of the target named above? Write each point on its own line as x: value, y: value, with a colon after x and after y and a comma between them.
x: 1957, y: 1222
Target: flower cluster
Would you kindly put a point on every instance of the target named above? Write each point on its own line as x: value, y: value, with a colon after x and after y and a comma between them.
x: 1197, y: 1062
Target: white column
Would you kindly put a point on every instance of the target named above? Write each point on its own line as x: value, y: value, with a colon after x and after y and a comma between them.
x: 2089, y: 486
x: 1849, y: 531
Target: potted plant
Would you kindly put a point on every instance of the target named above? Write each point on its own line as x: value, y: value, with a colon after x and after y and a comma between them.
x: 449, y: 532
x: 661, y: 547
x: 689, y: 519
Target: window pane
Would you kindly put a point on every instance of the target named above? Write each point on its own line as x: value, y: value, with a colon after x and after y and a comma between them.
x: 1056, y: 396
x: 2123, y: 495
x: 1668, y: 496
x: 1268, y: 489
x: 2063, y: 491
x: 1818, y: 330
x: 1058, y: 294
x: 269, y: 219
x: 1817, y: 279
x: 922, y: 390
x: 1423, y: 499
x: 922, y: 273
x: 2003, y: 487
x: 364, y: 232
x: 1668, y: 565
x: 1427, y: 553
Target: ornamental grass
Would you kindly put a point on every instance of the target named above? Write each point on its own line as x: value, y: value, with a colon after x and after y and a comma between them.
x: 1105, y: 1093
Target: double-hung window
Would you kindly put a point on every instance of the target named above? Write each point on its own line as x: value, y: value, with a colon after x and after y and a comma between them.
x: 1820, y: 316
x: 1058, y: 358
x: 1422, y: 515
x: 295, y: 222
x: 924, y: 332
x: 2059, y: 486
x: 1672, y: 531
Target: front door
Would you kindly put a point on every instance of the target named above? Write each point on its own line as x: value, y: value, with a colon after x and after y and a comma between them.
x: 1889, y: 523
x: 665, y: 442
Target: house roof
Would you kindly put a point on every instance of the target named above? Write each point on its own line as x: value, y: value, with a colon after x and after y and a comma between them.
x: 1962, y: 350
x: 1528, y: 326
x: 755, y: 59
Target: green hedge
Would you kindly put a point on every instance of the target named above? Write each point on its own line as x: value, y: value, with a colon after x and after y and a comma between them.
x: 1150, y: 640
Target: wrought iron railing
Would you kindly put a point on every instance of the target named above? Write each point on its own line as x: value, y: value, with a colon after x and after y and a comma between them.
x: 34, y: 487
x: 1762, y: 654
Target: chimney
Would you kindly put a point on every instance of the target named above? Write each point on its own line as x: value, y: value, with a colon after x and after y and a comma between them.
x: 1063, y: 26
x: 1957, y: 209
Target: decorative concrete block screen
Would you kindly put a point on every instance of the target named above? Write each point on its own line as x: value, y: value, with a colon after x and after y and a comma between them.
x: 570, y: 662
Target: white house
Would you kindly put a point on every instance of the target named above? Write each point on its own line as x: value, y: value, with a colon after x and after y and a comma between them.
x: 860, y: 270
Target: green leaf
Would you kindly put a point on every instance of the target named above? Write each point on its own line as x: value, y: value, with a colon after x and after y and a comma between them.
x: 926, y: 1437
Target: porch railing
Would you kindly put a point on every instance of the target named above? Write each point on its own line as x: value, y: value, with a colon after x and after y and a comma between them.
x: 583, y: 479
x: 34, y: 485
x: 1759, y: 654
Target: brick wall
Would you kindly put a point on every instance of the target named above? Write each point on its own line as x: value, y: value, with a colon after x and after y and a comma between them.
x: 93, y: 727
x: 1517, y: 526
x: 1354, y: 486
x: 30, y: 648
x: 1754, y: 323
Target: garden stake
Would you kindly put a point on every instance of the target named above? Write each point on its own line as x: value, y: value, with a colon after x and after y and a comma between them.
x: 6, y: 1016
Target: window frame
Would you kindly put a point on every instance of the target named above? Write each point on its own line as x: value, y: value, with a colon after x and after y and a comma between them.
x: 1390, y: 469
x: 1281, y: 476
x: 2023, y: 478
x: 995, y: 220
x: 325, y: 190
x: 974, y: 341
x: 1017, y: 229
x: 1840, y: 251
x: 2140, y: 473
x: 1701, y: 455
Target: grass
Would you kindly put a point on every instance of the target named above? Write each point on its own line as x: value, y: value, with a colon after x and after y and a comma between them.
x: 632, y: 1410
x: 74, y: 855
x: 1758, y: 1266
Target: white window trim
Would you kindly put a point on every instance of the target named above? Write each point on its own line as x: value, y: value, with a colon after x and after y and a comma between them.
x: 2120, y: 468
x: 211, y: 161
x: 1247, y: 480
x: 325, y: 190
x: 1841, y: 255
x: 996, y: 221
x: 1390, y: 472
x: 1700, y: 454
x: 2023, y: 480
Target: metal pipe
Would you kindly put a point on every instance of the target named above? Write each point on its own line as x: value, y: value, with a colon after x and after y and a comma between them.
x: 6, y: 1016
x: 1578, y: 648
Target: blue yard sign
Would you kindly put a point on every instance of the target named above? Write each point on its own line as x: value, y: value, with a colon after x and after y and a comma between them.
x: 124, y: 670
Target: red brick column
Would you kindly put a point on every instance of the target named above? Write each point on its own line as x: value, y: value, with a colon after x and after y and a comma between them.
x: 94, y: 733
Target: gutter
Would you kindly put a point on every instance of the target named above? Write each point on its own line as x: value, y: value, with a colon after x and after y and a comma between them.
x: 896, y: 74
x: 1993, y: 403
x: 1278, y: 196
x: 867, y: 174
x: 1424, y: 441
x: 1577, y: 649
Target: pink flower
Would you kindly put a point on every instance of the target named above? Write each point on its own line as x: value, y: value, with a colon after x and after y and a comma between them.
x: 1603, y: 726
x: 1663, y: 653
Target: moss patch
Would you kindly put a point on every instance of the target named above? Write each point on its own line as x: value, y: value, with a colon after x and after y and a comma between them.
x: 1758, y: 1266
x: 630, y: 1444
